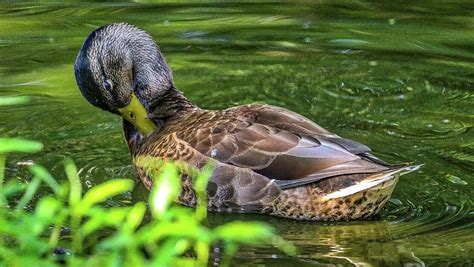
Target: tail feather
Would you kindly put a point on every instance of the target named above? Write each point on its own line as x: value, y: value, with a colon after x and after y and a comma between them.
x: 372, y: 181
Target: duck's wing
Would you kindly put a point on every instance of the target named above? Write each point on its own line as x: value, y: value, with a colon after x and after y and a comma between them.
x: 289, y: 157
x: 230, y: 188
x: 293, y: 122
x: 280, y: 118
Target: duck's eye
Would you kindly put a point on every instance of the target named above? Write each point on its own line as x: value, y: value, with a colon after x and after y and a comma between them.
x: 108, y: 85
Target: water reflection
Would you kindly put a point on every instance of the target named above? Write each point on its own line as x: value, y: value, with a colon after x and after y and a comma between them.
x: 355, y: 243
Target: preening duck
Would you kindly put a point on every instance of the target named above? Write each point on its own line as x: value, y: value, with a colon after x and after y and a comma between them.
x: 267, y: 159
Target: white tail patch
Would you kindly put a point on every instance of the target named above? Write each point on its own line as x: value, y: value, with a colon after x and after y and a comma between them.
x: 372, y: 181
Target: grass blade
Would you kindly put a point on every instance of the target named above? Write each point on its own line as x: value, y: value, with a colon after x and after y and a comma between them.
x: 75, y: 186
x: 29, y: 194
x: 165, y: 189
x: 101, y: 192
x: 43, y: 174
x: 8, y: 145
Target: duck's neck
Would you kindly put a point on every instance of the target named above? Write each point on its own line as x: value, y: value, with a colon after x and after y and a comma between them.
x: 160, y: 111
x: 167, y: 106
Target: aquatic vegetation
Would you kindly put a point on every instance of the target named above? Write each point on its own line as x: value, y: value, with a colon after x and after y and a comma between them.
x: 72, y: 227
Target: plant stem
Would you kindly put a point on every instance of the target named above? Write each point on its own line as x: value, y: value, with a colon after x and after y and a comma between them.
x: 2, y: 169
x: 53, y: 239
x: 76, y: 234
x: 2, y: 177
x: 202, y: 251
x: 229, y: 251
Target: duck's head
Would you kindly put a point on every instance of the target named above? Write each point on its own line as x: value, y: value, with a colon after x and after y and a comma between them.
x: 120, y: 69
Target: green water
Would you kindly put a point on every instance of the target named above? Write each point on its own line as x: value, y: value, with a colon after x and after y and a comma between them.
x: 398, y: 78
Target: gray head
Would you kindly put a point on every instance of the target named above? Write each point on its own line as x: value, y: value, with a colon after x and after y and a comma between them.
x: 117, y: 60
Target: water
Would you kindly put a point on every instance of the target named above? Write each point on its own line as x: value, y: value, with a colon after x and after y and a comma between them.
x: 398, y: 78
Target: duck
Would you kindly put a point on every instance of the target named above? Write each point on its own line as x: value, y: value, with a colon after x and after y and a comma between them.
x: 266, y: 159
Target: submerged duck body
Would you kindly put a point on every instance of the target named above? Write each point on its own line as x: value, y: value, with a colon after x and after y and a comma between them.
x: 267, y: 159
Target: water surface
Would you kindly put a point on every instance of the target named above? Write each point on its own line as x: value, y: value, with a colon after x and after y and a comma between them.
x: 398, y: 78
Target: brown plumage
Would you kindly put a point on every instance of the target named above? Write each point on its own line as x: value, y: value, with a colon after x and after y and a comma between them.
x: 267, y: 159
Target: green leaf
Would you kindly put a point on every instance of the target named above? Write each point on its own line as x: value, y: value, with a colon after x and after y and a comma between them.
x: 75, y: 186
x: 133, y: 257
x: 2, y: 174
x: 32, y: 227
x: 165, y: 189
x: 29, y: 194
x: 186, y: 229
x: 96, y: 221
x: 168, y: 251
x: 13, y: 100
x: 135, y: 216
x: 116, y: 215
x: 229, y: 251
x: 12, y: 187
x: 101, y: 192
x: 100, y: 218
x: 200, y: 185
x: 184, y: 262
x: 180, y: 212
x: 202, y: 251
x: 43, y: 174
x: 283, y: 245
x: 117, y: 241
x: 47, y: 208
x: 8, y: 145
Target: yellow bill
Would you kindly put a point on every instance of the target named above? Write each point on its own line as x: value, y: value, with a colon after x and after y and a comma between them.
x: 136, y: 114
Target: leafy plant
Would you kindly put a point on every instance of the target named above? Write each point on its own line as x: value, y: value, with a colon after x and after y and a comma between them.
x: 32, y: 234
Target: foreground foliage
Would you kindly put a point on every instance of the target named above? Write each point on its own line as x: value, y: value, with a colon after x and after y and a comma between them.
x: 71, y: 227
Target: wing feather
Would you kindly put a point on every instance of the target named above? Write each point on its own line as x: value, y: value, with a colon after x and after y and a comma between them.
x: 261, y: 149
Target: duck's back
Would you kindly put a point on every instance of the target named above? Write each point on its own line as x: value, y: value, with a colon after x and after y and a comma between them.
x: 272, y: 160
